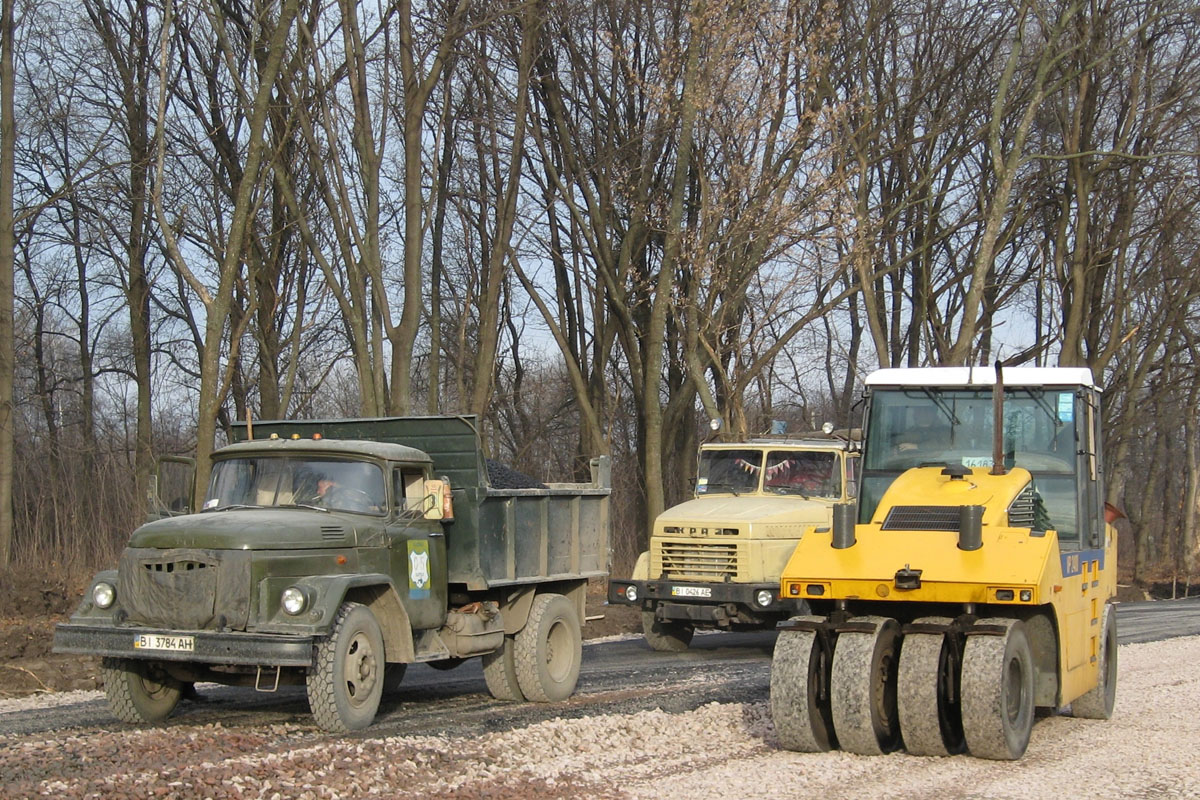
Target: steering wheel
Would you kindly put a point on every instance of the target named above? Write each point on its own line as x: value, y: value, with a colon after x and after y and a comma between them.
x: 348, y: 499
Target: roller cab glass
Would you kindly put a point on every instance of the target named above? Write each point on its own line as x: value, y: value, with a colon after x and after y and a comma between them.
x: 315, y: 482
x: 915, y: 426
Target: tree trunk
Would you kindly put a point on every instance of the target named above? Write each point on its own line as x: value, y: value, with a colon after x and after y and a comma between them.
x: 8, y: 137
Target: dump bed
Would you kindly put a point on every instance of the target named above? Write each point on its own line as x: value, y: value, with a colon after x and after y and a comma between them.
x: 499, y: 536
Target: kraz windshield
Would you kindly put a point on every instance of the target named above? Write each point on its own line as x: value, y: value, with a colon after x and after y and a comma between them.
x: 788, y: 472
x: 329, y: 484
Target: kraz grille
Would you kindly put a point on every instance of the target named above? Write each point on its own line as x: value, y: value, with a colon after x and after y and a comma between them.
x: 185, y: 589
x: 704, y: 561
x: 922, y: 518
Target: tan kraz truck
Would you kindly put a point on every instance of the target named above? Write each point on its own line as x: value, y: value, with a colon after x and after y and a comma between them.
x: 714, y: 561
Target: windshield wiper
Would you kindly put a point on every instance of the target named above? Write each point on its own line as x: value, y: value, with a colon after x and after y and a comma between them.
x: 942, y: 405
x: 309, y: 506
x: 1044, y: 404
x: 229, y: 507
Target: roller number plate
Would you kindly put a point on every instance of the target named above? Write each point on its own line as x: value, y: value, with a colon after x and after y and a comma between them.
x: 153, y: 641
x: 691, y: 591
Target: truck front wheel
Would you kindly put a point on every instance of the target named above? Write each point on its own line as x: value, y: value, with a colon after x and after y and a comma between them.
x: 666, y: 637
x: 346, y: 684
x: 138, y: 691
x: 549, y: 650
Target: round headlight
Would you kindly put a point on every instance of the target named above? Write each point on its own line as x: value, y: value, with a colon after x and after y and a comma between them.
x: 293, y: 600
x: 631, y: 594
x: 103, y: 594
x: 764, y: 597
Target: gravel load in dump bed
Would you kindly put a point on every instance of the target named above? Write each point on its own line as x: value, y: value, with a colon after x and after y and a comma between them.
x: 501, y: 476
x: 1148, y: 750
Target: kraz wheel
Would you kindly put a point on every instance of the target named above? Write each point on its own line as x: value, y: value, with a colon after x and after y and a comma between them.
x: 346, y: 684
x: 1099, y: 702
x: 500, y: 672
x: 997, y: 691
x: 549, y: 650
x: 138, y: 691
x: 800, y: 692
x: 666, y: 637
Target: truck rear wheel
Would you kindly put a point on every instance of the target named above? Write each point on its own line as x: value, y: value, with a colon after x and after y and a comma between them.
x: 138, y: 691
x: 1099, y: 702
x: 346, y: 684
x: 500, y: 672
x: 800, y: 692
x: 393, y: 677
x: 862, y: 688
x: 997, y: 692
x: 549, y: 650
x: 666, y: 637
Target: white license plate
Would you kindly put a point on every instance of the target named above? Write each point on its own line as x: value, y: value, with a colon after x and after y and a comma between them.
x: 153, y: 641
x: 691, y: 591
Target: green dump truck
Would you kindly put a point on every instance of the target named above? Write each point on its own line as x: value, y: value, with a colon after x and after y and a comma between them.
x: 714, y: 561
x: 334, y: 553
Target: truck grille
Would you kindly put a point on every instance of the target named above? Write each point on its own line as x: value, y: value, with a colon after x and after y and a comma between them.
x: 185, y: 589
x: 699, y: 560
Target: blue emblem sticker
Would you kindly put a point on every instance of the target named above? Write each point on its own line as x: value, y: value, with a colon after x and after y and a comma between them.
x: 1066, y: 407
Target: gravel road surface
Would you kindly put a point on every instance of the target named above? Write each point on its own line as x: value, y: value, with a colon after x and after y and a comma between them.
x: 643, y: 725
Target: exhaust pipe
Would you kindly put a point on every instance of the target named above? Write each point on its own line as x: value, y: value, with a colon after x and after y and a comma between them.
x: 843, y: 525
x: 970, y: 527
x: 998, y: 422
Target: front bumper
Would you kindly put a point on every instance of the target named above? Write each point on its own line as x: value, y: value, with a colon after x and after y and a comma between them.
x: 252, y: 649
x: 702, y: 603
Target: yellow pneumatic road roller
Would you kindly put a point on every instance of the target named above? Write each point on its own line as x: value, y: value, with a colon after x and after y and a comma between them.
x: 974, y: 582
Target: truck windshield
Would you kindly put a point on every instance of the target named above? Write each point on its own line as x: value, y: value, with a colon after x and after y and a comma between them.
x: 732, y: 471
x: 806, y: 473
x: 330, y: 484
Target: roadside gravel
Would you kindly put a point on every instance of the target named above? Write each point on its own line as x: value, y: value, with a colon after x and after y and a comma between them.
x: 1148, y: 750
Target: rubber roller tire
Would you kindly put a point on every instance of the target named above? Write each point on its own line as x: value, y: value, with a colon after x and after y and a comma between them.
x: 863, y: 688
x: 997, y: 692
x: 800, y: 693
x: 930, y: 724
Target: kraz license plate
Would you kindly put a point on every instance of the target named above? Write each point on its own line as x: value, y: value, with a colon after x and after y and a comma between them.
x: 691, y: 591
x: 153, y: 641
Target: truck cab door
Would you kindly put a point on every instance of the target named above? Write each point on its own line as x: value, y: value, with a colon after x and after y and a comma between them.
x: 417, y: 551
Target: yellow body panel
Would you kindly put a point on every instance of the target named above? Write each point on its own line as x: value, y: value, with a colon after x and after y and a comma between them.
x: 1074, y: 585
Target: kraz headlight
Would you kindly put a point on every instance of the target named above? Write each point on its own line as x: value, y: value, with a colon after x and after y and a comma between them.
x: 294, y: 600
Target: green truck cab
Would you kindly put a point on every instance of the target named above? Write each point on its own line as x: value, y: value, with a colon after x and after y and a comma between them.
x: 714, y: 561
x: 334, y: 553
